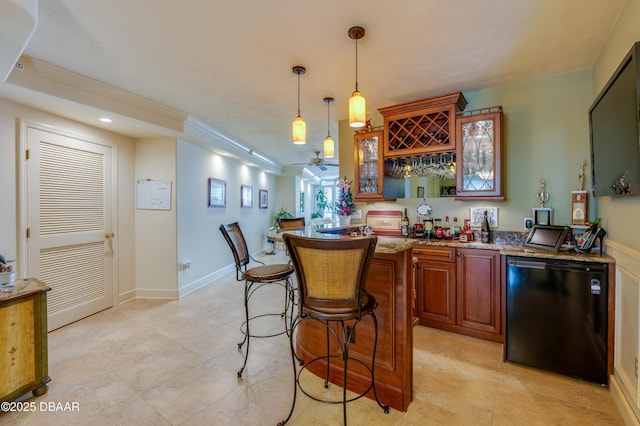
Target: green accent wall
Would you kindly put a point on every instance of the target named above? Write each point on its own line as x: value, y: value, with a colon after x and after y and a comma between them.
x: 545, y: 135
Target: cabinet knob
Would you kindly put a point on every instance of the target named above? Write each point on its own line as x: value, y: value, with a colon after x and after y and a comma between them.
x: 458, y: 253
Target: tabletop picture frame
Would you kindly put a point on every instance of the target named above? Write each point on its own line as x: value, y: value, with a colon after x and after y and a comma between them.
x: 263, y: 199
x: 246, y: 196
x: 217, y: 193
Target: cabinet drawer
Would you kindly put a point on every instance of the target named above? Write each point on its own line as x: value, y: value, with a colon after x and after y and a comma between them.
x: 440, y: 254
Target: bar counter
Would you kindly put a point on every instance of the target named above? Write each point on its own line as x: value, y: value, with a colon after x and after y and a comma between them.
x: 390, y: 281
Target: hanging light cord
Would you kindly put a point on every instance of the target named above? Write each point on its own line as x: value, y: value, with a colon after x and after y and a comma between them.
x: 328, y: 130
x: 298, y: 73
x: 356, y: 64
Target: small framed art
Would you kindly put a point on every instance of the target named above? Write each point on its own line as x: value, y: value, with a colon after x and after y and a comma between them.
x: 263, y: 199
x: 217, y: 192
x: 246, y: 196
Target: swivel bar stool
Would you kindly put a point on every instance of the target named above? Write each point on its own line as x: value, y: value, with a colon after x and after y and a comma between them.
x: 331, y: 275
x: 254, y: 278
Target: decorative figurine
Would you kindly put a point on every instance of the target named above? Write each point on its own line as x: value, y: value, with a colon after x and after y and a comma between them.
x: 581, y: 175
x: 543, y: 195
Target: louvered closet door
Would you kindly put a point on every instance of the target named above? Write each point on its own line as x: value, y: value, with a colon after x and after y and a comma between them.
x: 69, y: 193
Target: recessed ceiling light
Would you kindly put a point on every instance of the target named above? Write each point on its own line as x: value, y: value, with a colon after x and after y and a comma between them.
x: 105, y: 120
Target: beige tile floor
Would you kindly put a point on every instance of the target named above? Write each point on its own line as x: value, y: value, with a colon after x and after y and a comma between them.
x: 159, y: 362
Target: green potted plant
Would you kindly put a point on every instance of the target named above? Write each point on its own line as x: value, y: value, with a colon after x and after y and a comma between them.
x: 321, y: 205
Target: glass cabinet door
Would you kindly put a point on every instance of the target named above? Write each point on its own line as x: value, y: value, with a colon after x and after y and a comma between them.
x: 368, y: 166
x: 478, y: 155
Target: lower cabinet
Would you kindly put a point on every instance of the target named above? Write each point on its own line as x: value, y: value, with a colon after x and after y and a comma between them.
x: 23, y: 341
x: 458, y: 290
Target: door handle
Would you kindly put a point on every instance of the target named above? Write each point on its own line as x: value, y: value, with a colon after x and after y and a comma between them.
x: 109, y: 235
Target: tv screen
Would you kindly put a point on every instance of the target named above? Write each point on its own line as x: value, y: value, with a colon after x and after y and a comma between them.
x: 615, y: 132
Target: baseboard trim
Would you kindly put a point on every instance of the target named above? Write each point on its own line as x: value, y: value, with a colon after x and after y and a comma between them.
x: 619, y: 398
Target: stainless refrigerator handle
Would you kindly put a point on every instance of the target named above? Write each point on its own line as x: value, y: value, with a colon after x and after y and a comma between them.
x: 524, y: 264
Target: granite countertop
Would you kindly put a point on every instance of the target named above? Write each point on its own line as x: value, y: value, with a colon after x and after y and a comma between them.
x: 507, y: 243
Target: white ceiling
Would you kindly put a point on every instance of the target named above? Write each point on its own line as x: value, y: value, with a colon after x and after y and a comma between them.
x: 228, y: 63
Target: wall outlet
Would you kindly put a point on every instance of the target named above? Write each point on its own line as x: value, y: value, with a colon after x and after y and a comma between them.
x: 528, y: 223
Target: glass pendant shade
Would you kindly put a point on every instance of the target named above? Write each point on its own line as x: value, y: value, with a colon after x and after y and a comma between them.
x: 299, y: 128
x: 329, y: 147
x: 357, y: 110
x: 299, y: 131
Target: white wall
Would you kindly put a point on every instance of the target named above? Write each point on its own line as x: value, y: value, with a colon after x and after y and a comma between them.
x: 623, y: 235
x: 10, y: 113
x: 155, y: 230
x: 199, y: 239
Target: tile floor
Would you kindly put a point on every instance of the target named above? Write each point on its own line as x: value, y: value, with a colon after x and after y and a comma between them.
x: 159, y: 362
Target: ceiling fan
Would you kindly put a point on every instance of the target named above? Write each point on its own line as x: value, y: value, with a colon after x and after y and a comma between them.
x: 317, y: 161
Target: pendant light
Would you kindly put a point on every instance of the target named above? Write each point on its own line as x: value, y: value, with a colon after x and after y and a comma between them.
x: 357, y: 104
x: 329, y: 145
x: 299, y: 127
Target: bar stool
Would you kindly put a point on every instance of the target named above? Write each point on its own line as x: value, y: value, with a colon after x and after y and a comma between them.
x: 291, y: 223
x: 331, y: 275
x: 254, y: 279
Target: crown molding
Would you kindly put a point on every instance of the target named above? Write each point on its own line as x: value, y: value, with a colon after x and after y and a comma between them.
x: 51, y: 79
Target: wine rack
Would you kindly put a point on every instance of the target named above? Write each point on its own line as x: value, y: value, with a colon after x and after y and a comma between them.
x: 422, y: 127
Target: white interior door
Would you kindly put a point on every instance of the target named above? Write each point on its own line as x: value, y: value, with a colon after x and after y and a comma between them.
x: 69, y: 241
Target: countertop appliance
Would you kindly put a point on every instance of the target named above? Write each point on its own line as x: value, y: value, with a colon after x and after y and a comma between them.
x: 557, y: 316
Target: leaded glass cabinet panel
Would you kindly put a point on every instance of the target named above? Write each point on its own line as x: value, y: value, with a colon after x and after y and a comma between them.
x: 478, y: 154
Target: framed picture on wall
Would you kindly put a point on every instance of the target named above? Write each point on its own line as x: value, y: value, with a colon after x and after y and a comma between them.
x: 263, y: 197
x: 246, y: 196
x: 217, y: 192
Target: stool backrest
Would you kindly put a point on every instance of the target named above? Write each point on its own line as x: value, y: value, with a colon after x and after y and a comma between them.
x: 295, y: 222
x: 331, y: 273
x: 233, y: 235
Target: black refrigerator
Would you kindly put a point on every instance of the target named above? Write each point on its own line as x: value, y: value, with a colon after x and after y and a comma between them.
x: 557, y: 315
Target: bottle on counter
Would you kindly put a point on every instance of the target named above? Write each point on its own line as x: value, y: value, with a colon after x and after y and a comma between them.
x: 455, y: 229
x: 446, y: 229
x: 485, y: 230
x: 438, y: 233
x: 428, y: 227
x: 418, y: 228
x: 404, y: 225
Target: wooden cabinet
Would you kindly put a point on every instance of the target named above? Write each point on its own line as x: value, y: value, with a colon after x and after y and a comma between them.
x: 479, y: 155
x: 422, y: 127
x: 478, y: 290
x: 435, y: 282
x: 23, y: 341
x: 458, y: 290
x: 368, y: 180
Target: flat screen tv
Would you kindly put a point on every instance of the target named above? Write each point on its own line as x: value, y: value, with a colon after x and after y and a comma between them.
x: 614, y: 125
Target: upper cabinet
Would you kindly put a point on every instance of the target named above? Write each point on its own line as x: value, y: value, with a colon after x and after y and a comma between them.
x: 422, y: 127
x: 478, y: 155
x: 368, y: 180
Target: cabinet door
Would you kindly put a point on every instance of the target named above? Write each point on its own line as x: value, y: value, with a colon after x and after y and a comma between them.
x: 368, y: 180
x: 478, y: 155
x: 478, y: 289
x: 436, y: 291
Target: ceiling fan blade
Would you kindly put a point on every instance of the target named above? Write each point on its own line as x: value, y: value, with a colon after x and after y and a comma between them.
x: 322, y: 167
x: 331, y: 164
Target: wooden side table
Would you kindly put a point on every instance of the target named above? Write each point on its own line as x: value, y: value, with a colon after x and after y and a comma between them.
x: 23, y: 340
